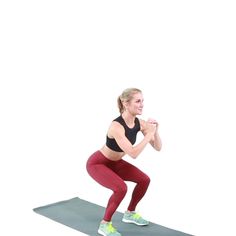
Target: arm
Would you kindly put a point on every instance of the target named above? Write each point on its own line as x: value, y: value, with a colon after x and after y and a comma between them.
x: 155, y: 140
x: 118, y: 133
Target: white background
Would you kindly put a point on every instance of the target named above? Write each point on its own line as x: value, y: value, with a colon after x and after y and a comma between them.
x: 63, y: 64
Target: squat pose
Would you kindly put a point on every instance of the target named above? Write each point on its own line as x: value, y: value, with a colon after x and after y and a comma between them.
x: 107, y: 167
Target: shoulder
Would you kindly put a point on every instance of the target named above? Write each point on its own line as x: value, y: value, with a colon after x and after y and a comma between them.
x: 117, y: 123
x: 143, y: 124
x: 118, y: 119
x: 115, y: 128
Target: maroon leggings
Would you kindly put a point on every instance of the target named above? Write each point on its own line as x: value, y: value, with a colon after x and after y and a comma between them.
x: 112, y: 174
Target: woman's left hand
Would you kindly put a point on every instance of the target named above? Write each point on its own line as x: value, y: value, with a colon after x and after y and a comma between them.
x: 152, y: 121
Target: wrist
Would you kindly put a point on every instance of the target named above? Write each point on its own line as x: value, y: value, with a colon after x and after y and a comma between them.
x: 149, y: 136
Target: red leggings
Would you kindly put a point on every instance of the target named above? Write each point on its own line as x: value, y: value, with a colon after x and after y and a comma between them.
x: 112, y: 174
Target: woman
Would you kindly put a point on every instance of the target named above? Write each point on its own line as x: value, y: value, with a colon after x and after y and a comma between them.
x: 107, y: 167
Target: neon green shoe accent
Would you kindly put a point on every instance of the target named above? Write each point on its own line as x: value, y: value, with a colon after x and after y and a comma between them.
x: 107, y: 229
x: 133, y: 217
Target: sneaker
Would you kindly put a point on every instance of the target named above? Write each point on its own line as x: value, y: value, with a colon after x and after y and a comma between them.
x: 107, y: 229
x: 132, y: 217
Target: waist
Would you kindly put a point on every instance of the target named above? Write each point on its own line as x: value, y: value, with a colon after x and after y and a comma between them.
x: 101, y: 157
x: 110, y: 154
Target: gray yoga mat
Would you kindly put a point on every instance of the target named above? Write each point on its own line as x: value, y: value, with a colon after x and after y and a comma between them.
x: 85, y: 217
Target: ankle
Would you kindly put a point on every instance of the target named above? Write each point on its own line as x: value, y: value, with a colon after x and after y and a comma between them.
x: 128, y: 211
x: 104, y: 222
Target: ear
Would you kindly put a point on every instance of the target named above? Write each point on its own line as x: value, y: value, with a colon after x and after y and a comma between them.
x: 125, y: 104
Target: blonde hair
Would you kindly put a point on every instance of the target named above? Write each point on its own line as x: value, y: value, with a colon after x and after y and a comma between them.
x: 126, y: 96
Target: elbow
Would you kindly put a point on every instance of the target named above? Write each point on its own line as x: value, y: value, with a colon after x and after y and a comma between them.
x: 158, y: 148
x: 133, y: 155
x: 132, y: 152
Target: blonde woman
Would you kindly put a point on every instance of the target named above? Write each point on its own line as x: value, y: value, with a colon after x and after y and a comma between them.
x: 107, y: 167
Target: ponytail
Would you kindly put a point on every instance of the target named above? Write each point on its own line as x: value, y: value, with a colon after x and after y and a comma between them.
x: 120, y: 105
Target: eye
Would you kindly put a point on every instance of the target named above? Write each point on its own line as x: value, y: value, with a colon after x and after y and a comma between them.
x: 139, y: 101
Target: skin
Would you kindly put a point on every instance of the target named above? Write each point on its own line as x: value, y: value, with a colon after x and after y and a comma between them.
x: 149, y: 129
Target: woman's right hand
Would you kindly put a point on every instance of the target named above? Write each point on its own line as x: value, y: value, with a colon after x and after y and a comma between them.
x: 151, y: 129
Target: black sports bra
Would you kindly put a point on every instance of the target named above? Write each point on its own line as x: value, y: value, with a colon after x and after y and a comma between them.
x: 130, y: 133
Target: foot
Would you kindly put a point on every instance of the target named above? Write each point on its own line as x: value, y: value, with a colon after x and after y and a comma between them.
x: 135, y: 218
x: 107, y: 229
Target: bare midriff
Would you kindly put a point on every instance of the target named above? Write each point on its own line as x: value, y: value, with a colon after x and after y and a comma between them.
x: 110, y: 154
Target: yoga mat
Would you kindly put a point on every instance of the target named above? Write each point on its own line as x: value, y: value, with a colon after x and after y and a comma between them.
x: 85, y: 217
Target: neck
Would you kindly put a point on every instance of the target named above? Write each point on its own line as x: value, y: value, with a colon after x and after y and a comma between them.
x: 128, y: 118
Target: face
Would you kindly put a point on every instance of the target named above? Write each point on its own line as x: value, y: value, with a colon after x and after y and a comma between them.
x: 135, y: 105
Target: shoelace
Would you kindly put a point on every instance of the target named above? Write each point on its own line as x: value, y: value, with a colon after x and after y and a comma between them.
x: 110, y: 228
x: 136, y: 216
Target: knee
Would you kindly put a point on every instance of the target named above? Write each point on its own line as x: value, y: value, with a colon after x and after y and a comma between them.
x: 121, y: 190
x: 146, y: 180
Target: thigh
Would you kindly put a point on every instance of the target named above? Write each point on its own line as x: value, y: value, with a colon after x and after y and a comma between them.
x: 105, y: 176
x: 129, y: 172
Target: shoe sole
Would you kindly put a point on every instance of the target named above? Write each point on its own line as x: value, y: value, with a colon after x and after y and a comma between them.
x: 100, y: 232
x: 133, y: 222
